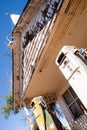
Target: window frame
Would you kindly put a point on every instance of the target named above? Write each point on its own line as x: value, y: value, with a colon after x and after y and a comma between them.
x: 76, y: 101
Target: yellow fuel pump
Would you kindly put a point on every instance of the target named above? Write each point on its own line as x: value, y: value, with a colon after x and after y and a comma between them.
x: 42, y: 116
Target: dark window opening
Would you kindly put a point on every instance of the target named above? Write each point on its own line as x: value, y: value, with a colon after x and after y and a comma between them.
x: 82, y: 54
x: 73, y: 103
x: 61, y: 58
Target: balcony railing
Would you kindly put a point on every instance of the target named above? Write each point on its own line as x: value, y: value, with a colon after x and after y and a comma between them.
x: 32, y: 53
x: 35, y: 39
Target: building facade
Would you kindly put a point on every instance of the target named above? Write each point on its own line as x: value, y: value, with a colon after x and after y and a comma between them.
x: 43, y: 28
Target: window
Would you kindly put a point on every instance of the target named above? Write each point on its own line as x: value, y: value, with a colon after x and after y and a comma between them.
x: 73, y: 102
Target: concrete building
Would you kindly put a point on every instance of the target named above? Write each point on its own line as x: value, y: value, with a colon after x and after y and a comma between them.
x: 43, y: 28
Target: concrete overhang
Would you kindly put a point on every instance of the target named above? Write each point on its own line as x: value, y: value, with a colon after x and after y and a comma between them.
x: 70, y: 29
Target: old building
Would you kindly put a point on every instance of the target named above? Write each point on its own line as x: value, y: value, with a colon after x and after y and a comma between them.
x: 43, y: 28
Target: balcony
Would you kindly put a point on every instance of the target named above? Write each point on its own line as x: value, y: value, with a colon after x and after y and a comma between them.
x: 34, y: 62
x: 34, y: 39
x: 46, y: 77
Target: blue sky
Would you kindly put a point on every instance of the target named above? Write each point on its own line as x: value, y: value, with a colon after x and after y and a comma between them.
x: 17, y: 122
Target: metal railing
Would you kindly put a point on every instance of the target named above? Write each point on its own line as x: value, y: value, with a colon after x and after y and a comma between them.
x: 32, y: 53
x: 35, y: 38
